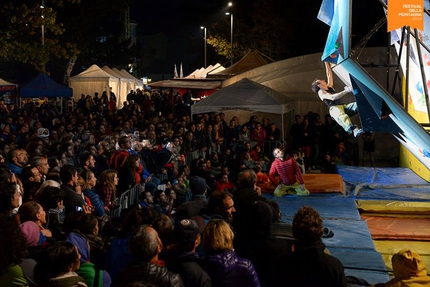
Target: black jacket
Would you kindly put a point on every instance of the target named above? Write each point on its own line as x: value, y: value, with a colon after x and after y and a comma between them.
x: 147, y: 272
x: 191, y: 269
x: 310, y: 266
x: 71, y: 199
x: 190, y: 208
x: 243, y: 199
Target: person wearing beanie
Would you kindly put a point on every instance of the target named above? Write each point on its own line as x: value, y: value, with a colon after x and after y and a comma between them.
x: 198, y: 199
x: 32, y: 233
x: 409, y: 270
x: 36, y: 241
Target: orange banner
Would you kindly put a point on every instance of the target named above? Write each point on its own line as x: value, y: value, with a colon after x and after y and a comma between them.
x: 405, y: 13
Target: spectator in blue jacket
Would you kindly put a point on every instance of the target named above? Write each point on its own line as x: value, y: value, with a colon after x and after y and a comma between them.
x: 224, y: 266
x: 89, y: 191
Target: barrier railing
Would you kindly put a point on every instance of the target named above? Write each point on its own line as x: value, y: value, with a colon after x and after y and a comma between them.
x: 127, y: 199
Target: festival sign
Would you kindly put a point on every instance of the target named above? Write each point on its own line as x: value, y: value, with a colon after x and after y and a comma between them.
x: 405, y: 13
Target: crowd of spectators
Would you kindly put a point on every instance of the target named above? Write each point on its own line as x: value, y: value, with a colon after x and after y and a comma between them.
x: 201, y: 219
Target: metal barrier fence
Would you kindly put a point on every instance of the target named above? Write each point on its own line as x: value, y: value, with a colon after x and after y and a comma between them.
x: 127, y: 199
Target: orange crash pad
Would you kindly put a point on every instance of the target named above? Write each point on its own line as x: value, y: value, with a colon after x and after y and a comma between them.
x: 322, y: 182
x: 314, y: 182
x: 398, y: 228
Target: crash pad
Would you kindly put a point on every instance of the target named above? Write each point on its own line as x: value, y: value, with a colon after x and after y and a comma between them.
x: 314, y: 182
x: 393, y: 207
x: 398, y: 228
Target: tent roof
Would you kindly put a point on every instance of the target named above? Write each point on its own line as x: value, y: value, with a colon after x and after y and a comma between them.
x: 217, y: 68
x: 124, y: 75
x: 202, y: 84
x: 44, y: 86
x: 6, y: 83
x: 203, y: 72
x: 245, y: 95
x: 293, y: 77
x: 112, y: 72
x: 93, y: 73
x: 251, y: 60
x: 127, y: 75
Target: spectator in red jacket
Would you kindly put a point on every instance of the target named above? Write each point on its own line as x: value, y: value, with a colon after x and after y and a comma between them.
x: 224, y: 184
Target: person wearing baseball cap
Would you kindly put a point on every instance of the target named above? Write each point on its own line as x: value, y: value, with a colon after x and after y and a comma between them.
x: 184, y: 260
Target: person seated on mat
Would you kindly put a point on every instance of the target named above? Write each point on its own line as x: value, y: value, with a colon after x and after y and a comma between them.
x: 263, y: 180
x: 289, y: 172
x: 341, y: 113
x: 309, y: 263
x: 409, y: 270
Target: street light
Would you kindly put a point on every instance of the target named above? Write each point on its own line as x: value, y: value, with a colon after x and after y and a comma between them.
x: 43, y: 22
x: 204, y: 28
x: 231, y: 32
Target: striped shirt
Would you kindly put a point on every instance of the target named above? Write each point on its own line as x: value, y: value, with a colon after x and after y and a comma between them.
x: 288, y: 171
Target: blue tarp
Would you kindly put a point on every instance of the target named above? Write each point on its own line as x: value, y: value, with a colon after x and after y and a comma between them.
x: 352, y: 234
x: 352, y: 243
x: 402, y: 193
x: 362, y: 264
x: 372, y: 175
x: 384, y: 183
x: 329, y: 205
x: 43, y: 86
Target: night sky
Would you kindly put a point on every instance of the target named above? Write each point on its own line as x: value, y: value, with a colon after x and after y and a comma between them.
x: 181, y: 19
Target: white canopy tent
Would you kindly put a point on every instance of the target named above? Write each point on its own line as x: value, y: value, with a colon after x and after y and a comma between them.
x: 8, y: 92
x: 122, y: 92
x: 249, y: 96
x: 92, y: 80
x: 134, y: 83
x: 127, y: 83
x: 203, y: 72
x: 6, y: 83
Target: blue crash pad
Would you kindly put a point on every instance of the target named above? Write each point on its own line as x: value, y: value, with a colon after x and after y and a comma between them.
x: 379, y: 176
x: 366, y: 264
x: 328, y: 205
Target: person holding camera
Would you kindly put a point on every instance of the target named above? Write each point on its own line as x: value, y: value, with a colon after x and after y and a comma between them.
x: 73, y: 202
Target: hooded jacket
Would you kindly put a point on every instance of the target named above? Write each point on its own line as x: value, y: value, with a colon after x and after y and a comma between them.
x: 409, y: 270
x: 88, y: 271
